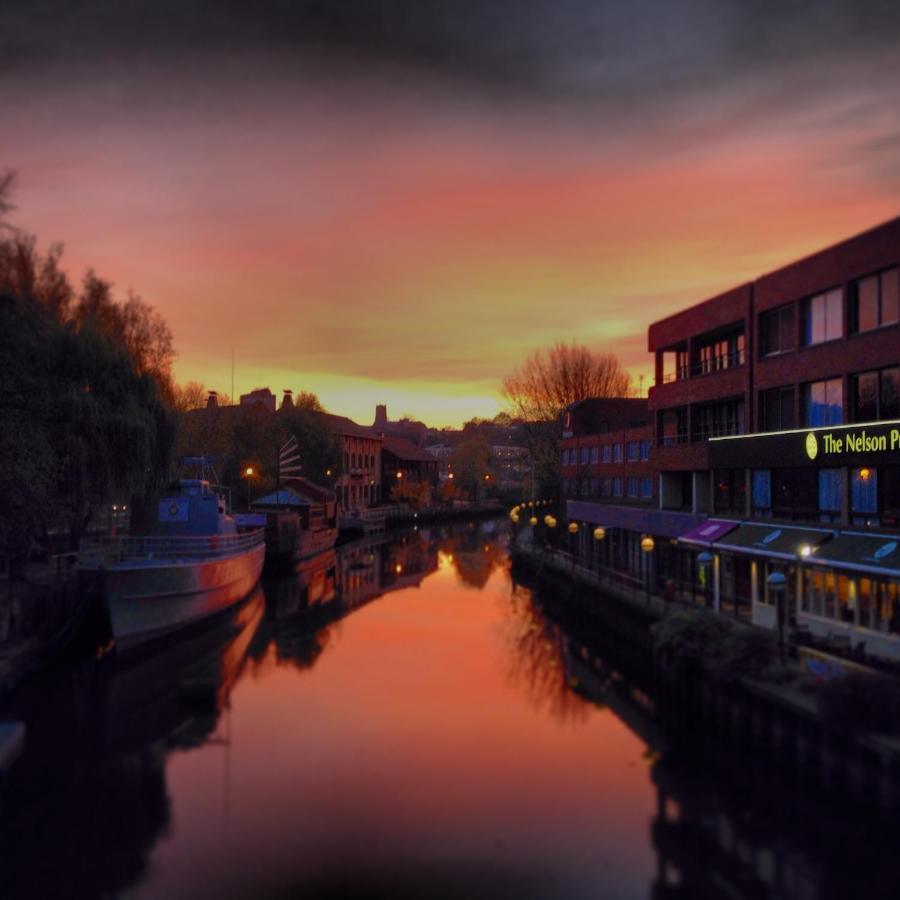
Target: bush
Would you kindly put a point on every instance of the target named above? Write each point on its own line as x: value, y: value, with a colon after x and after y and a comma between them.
x: 698, y: 640
x: 861, y: 702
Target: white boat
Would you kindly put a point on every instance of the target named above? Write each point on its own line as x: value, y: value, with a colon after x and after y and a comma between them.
x: 197, y: 566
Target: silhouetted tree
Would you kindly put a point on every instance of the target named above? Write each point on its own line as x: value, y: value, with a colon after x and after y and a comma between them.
x: 549, y: 381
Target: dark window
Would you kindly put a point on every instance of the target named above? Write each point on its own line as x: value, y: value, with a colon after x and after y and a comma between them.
x: 875, y: 301
x: 823, y: 317
x: 646, y: 488
x: 633, y: 451
x: 617, y: 453
x: 876, y: 395
x: 795, y: 494
x: 617, y: 487
x: 890, y: 495
x: 673, y: 426
x: 823, y: 402
x: 632, y: 486
x: 730, y: 491
x: 776, y: 330
x: 718, y: 419
x: 645, y: 450
x: 607, y: 453
x: 776, y: 409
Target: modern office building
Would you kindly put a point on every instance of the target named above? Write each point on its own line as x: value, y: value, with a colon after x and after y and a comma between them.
x: 775, y: 423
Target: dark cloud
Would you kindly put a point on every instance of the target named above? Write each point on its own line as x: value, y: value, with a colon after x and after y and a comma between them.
x: 563, y: 48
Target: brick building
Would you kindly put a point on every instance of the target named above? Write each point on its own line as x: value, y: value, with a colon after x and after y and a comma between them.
x: 775, y: 429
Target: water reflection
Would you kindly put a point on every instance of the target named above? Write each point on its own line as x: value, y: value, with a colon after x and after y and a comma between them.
x: 465, y: 737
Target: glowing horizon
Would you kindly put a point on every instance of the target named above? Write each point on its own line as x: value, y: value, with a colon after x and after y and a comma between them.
x: 407, y: 233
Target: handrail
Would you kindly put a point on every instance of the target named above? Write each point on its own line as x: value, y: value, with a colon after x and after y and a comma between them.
x: 165, y: 548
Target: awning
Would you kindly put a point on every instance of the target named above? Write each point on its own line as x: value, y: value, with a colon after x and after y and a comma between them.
x: 708, y: 533
x: 779, y: 541
x: 875, y: 554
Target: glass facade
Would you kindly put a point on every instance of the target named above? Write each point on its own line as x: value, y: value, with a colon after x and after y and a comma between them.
x: 876, y: 395
x: 875, y: 301
x: 776, y: 330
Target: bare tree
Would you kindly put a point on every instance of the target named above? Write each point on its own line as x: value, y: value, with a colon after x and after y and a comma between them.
x: 549, y: 381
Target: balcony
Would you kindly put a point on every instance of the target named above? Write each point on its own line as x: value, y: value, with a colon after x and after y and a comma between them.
x: 708, y: 366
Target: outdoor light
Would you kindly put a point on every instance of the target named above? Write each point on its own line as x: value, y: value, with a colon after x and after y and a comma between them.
x: 398, y: 569
x: 647, y: 544
x: 573, y: 528
x: 328, y: 472
x: 399, y: 474
x: 450, y: 476
x: 532, y: 521
x: 547, y: 519
x: 805, y: 550
x: 599, y: 533
x: 865, y: 474
x: 249, y: 471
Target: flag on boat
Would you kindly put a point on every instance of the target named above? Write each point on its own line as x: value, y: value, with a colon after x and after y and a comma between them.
x: 289, y: 458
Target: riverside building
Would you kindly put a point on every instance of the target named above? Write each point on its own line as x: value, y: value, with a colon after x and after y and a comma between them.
x: 775, y: 429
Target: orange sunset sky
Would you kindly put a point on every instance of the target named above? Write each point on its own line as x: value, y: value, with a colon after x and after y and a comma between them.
x: 398, y: 202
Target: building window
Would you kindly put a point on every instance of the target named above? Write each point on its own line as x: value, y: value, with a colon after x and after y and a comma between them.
x: 633, y: 451
x: 864, y: 492
x: 823, y: 317
x: 876, y: 395
x: 645, y: 451
x: 795, y: 494
x: 730, y: 491
x: 824, y: 402
x: 776, y: 330
x: 762, y: 490
x: 875, y: 301
x: 632, y: 487
x: 617, y: 453
x: 673, y: 426
x: 565, y: 457
x: 890, y: 495
x: 829, y: 492
x: 723, y: 352
x: 585, y: 454
x: 607, y: 487
x: 718, y: 419
x: 607, y: 453
x: 594, y: 454
x: 776, y: 409
x: 646, y: 488
x: 617, y: 487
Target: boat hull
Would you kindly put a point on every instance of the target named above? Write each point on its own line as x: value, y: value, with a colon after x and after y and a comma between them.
x: 148, y: 602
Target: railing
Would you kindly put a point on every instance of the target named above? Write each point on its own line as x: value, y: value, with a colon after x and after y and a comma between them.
x: 720, y: 363
x: 167, y: 548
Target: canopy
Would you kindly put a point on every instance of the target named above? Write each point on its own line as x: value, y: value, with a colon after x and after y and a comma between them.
x: 876, y: 554
x: 778, y: 541
x: 708, y: 533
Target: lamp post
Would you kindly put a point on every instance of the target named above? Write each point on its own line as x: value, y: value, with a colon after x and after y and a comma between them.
x: 647, y: 545
x: 778, y: 585
x: 705, y: 560
x: 573, y: 542
x: 599, y: 535
x: 248, y: 473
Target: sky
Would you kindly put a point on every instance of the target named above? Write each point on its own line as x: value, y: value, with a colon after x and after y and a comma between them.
x: 397, y: 202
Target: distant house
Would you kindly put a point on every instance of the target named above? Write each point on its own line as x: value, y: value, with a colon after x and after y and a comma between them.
x: 403, y: 461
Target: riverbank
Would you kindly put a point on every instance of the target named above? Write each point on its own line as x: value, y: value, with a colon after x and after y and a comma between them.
x: 774, y: 709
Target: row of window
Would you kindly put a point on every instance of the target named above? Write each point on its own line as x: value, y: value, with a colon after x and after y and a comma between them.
x: 635, y: 451
x: 874, y: 396
x: 874, y: 302
x: 874, y: 494
x: 359, y: 461
x: 632, y: 487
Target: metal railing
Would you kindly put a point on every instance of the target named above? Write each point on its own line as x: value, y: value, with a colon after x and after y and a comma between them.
x: 168, y: 548
x: 720, y: 363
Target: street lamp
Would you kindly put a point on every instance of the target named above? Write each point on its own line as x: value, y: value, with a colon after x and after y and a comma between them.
x: 778, y: 586
x: 705, y: 560
x: 647, y: 545
x: 248, y: 473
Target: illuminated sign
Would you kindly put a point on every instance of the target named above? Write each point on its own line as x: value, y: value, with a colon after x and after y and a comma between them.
x: 872, y: 444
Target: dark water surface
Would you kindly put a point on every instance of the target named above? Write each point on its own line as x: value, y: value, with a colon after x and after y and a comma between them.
x: 401, y: 720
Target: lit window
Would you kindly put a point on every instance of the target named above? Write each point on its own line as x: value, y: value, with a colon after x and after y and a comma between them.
x: 823, y: 317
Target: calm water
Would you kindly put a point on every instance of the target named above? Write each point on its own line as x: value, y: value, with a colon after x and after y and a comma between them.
x: 400, y: 720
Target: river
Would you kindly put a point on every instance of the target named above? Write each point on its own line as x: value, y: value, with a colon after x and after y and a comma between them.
x: 401, y: 720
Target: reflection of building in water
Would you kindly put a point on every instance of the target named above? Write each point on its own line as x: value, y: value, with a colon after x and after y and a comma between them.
x: 85, y: 805
x: 726, y: 826
x: 477, y: 550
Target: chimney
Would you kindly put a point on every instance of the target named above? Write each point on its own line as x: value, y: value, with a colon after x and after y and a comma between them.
x: 380, y: 415
x: 212, y: 401
x: 287, y: 402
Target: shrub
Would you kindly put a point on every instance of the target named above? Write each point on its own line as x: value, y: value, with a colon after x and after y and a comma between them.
x: 861, y: 702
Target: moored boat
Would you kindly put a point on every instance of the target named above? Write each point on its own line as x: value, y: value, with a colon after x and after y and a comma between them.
x: 300, y: 521
x: 196, y: 566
